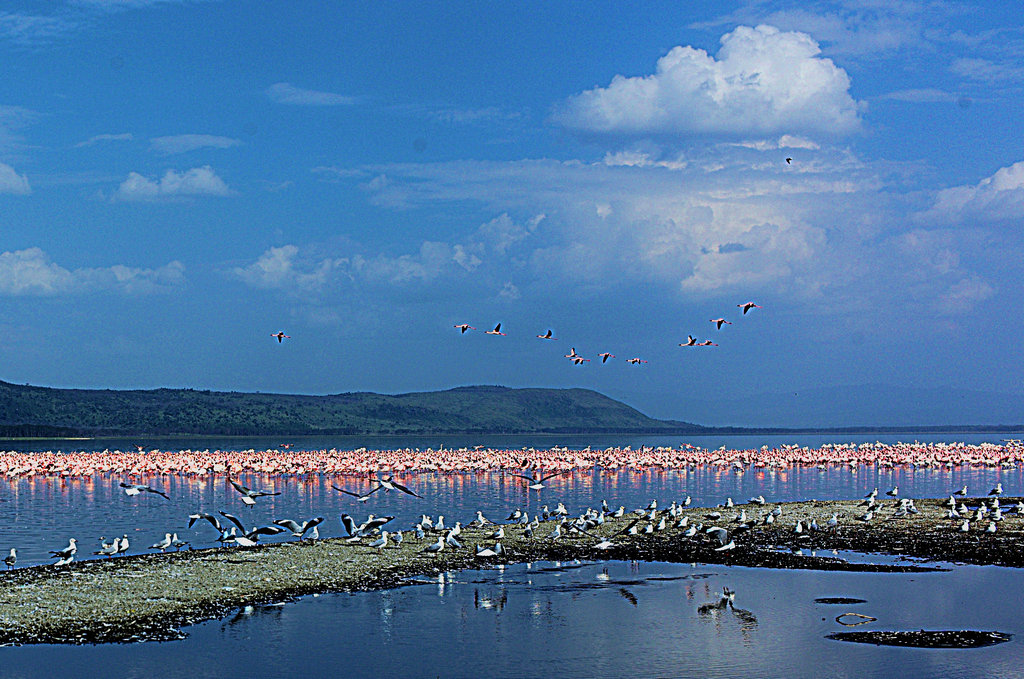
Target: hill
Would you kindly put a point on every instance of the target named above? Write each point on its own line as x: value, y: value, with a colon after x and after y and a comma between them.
x: 43, y: 411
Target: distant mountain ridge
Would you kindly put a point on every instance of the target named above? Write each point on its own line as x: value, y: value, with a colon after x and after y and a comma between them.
x: 51, y: 412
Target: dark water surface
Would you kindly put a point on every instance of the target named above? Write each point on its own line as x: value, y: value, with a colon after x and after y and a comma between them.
x: 574, y: 620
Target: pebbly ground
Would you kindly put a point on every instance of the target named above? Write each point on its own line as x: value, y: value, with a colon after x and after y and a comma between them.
x: 150, y: 596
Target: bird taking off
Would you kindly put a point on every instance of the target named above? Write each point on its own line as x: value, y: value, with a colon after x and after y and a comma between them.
x: 281, y: 336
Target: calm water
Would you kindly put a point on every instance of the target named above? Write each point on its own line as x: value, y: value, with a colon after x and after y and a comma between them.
x: 592, y: 619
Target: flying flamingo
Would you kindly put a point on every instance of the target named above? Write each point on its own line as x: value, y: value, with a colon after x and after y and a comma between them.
x: 706, y: 343
x: 572, y: 353
x: 691, y: 341
x: 496, y: 331
x: 605, y: 356
x: 747, y: 306
x: 719, y: 321
x: 579, y: 360
x: 635, y: 360
x: 547, y: 335
x: 464, y: 327
x: 281, y: 336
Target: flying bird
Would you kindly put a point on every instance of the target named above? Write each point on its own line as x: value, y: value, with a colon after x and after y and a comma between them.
x: 605, y: 356
x: 572, y: 353
x: 547, y: 335
x: 389, y: 483
x: 635, y: 360
x: 789, y: 161
x: 249, y: 496
x: 719, y: 322
x: 747, y: 306
x: 496, y: 331
x: 464, y: 327
x: 280, y: 336
x: 691, y: 341
x: 579, y: 360
x: 132, y: 489
x: 536, y: 482
x: 359, y: 497
x: 706, y: 343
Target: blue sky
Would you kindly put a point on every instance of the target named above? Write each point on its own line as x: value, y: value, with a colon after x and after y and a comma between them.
x: 179, y: 180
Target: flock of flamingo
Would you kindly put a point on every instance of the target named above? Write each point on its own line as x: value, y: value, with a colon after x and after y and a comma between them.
x: 577, y: 359
x: 409, y: 461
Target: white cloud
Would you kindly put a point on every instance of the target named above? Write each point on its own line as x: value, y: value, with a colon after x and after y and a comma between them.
x: 91, y: 141
x: 987, y: 70
x: 286, y: 93
x: 199, y: 181
x: 996, y: 198
x: 12, y: 182
x: 182, y: 143
x: 28, y: 30
x: 30, y: 272
x: 762, y: 81
x: 921, y: 96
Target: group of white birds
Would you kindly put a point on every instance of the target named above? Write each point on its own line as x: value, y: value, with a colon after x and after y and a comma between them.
x: 577, y: 359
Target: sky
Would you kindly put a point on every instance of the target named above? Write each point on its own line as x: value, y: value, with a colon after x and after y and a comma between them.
x: 181, y: 179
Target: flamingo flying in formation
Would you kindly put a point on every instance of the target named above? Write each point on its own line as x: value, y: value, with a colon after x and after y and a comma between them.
x: 747, y: 306
x: 547, y: 335
x: 719, y: 322
x: 605, y: 356
x: 464, y: 327
x: 691, y: 341
x: 496, y: 331
x: 635, y: 360
x: 281, y: 336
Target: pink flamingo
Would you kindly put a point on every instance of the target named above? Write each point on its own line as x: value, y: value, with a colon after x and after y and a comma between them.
x: 691, y: 341
x: 747, y: 306
x: 496, y: 331
x: 719, y: 321
x: 547, y: 335
x: 605, y: 356
x: 635, y: 361
x: 579, y: 360
x: 572, y: 353
x: 281, y: 336
x: 706, y: 343
x: 464, y: 327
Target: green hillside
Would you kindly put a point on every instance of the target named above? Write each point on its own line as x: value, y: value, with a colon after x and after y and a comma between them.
x: 43, y: 411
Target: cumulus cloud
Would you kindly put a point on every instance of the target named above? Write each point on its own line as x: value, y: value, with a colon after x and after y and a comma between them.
x: 199, y: 181
x: 996, y: 198
x: 286, y: 93
x: 12, y: 182
x: 30, y: 272
x: 183, y: 143
x: 762, y: 81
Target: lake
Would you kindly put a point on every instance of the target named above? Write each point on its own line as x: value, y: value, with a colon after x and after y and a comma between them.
x: 580, y: 619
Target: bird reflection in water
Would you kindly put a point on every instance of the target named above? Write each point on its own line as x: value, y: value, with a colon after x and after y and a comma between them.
x: 716, y: 610
x: 489, y: 601
x: 247, y: 613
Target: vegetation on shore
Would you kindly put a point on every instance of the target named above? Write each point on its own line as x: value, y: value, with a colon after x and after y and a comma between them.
x: 27, y: 411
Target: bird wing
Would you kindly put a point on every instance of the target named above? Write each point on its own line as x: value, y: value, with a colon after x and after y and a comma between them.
x: 235, y: 520
x: 158, y: 492
x: 402, y: 488
x: 289, y: 524
x: 549, y: 476
x: 239, y: 487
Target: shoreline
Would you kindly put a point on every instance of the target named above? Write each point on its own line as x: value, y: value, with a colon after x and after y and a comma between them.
x: 151, y: 596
